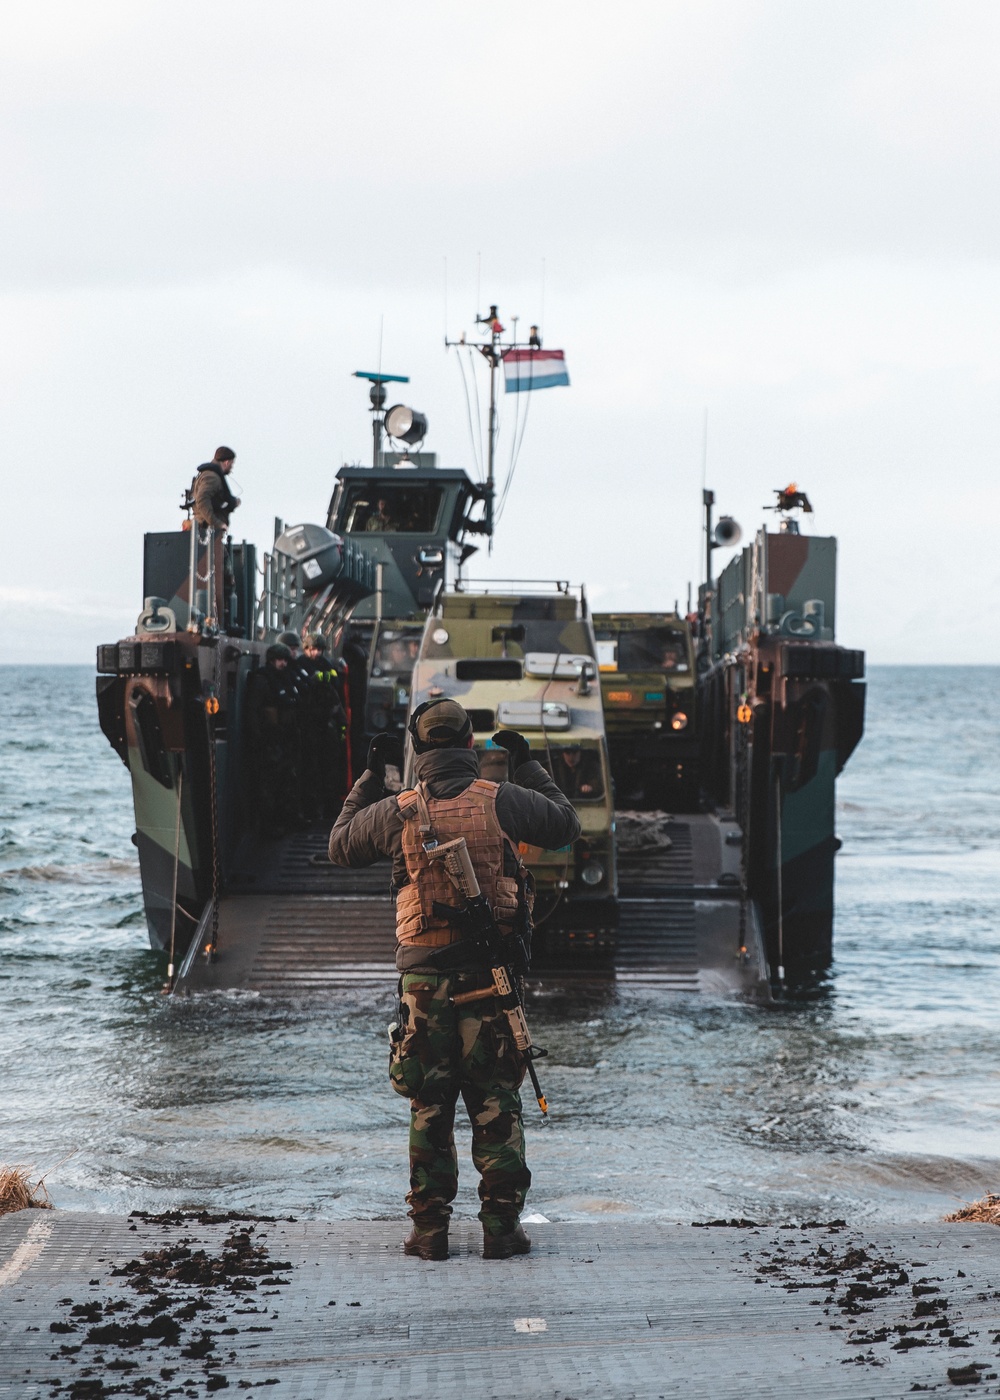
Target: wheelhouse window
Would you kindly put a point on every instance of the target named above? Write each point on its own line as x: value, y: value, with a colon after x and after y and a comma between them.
x: 373, y: 508
x: 396, y: 651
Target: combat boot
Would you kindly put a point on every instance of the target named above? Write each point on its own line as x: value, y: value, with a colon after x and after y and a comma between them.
x: 504, y: 1246
x: 427, y: 1244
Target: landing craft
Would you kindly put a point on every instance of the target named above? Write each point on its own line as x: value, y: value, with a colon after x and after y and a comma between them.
x: 700, y: 751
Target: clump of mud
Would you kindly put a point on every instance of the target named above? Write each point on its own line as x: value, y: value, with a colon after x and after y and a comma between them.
x: 18, y: 1192
x: 874, y: 1299
x: 160, y: 1343
x: 642, y: 831
x: 985, y: 1211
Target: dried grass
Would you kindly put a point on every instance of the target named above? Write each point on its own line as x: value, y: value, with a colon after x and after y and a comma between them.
x: 18, y: 1193
x: 982, y: 1212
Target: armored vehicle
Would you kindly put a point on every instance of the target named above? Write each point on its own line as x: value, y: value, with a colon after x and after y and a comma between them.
x: 528, y: 661
x: 648, y: 688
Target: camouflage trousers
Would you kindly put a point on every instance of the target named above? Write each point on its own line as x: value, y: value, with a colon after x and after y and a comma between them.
x: 443, y: 1051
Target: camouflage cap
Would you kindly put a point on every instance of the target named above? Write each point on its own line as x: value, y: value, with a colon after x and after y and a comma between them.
x: 439, y: 724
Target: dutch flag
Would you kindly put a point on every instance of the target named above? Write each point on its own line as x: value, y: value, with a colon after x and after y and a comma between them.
x: 534, y: 369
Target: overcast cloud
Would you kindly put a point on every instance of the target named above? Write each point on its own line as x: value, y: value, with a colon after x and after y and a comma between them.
x: 785, y: 212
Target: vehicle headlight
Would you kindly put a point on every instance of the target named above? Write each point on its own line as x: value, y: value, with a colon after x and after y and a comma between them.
x: 592, y: 873
x: 678, y: 721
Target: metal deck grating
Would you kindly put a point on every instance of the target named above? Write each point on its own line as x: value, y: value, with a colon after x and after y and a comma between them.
x: 291, y: 924
x: 658, y: 942
x: 312, y: 944
x: 298, y: 864
x: 670, y: 865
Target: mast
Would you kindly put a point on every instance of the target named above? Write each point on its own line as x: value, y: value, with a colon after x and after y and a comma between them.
x: 708, y: 501
x: 493, y: 352
x: 493, y: 356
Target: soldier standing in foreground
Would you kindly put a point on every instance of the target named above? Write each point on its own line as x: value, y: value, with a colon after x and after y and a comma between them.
x: 446, y: 1049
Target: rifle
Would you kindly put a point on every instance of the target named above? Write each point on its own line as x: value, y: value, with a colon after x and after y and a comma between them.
x: 482, y: 937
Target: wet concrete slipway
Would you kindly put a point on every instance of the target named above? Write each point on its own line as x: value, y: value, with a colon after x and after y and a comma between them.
x: 875, y: 1101
x: 95, y: 1305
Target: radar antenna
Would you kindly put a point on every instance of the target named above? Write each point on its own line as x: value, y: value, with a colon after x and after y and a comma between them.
x: 377, y: 395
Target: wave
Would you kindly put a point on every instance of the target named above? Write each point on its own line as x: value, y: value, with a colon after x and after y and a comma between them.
x: 72, y: 874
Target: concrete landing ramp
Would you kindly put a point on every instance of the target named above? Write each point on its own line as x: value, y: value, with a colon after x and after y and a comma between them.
x: 94, y: 1305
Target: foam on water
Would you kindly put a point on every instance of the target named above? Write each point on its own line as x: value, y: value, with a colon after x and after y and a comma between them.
x: 878, y: 1099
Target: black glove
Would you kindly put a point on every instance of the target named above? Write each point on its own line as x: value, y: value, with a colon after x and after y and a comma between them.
x: 516, y: 745
x: 383, y: 749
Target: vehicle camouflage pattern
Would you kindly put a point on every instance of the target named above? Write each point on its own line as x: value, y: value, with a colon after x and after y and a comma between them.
x: 528, y: 662
x: 699, y: 751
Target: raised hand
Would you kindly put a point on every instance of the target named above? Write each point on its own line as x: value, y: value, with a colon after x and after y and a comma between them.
x: 515, y: 744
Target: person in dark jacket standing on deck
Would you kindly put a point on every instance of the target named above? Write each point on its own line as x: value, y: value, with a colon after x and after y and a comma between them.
x: 210, y: 493
x: 445, y: 1049
x: 272, y: 704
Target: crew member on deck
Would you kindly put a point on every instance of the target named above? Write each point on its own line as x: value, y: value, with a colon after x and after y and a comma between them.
x: 213, y: 500
x: 323, y: 729
x: 272, y: 725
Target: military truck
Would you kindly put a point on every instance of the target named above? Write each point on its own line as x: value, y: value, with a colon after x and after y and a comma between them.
x: 528, y: 661
x: 648, y: 687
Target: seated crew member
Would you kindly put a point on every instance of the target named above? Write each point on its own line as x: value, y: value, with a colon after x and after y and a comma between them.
x: 381, y: 520
x: 577, y: 773
x: 448, y: 1050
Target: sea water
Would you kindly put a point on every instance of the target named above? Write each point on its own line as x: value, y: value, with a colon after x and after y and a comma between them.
x: 877, y: 1098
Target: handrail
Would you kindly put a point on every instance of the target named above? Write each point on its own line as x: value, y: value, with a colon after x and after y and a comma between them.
x: 541, y: 586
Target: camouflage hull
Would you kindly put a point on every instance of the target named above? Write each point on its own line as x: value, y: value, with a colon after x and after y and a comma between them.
x: 173, y: 710
x: 745, y: 726
x: 782, y: 710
